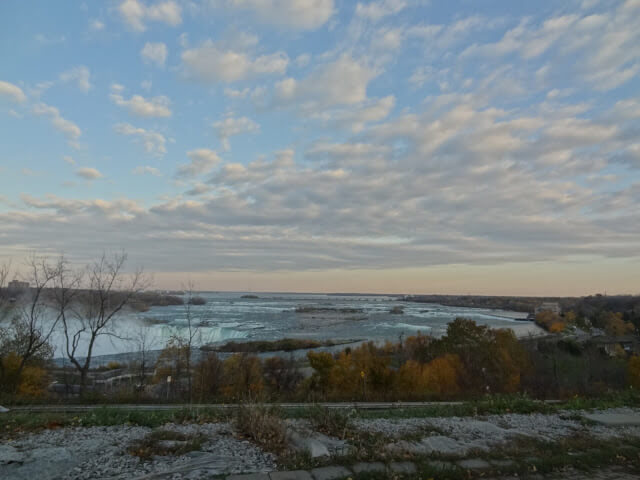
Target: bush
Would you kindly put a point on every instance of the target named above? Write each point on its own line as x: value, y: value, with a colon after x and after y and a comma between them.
x: 262, y: 426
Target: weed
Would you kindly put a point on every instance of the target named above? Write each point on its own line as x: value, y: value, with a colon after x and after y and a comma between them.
x: 263, y: 426
x: 166, y: 442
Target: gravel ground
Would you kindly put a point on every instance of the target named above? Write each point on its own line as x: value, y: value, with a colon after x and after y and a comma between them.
x: 100, y: 452
x: 485, y: 432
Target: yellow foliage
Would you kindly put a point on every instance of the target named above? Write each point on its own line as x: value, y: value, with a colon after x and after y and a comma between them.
x: 243, y: 377
x: 31, y: 382
x: 442, y: 375
x: 616, y: 326
x: 633, y: 371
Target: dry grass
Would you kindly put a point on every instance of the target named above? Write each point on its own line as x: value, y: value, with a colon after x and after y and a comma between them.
x: 263, y: 426
x: 165, y: 442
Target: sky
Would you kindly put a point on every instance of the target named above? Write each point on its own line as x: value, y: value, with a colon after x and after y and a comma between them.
x: 405, y: 146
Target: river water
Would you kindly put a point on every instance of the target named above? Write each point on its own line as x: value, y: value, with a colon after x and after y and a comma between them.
x: 228, y: 316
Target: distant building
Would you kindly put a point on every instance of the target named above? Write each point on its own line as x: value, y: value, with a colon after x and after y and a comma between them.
x: 548, y: 306
x: 629, y: 343
x: 17, y: 285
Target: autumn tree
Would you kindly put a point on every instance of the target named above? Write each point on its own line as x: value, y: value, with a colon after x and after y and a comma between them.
x: 615, y: 325
x: 281, y: 375
x: 172, y: 362
x: 493, y: 360
x: 243, y: 377
x: 208, y: 377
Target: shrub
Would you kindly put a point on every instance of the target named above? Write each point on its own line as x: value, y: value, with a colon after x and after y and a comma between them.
x: 262, y: 426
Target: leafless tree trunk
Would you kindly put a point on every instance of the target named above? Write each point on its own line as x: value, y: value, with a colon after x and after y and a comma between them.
x: 93, y: 312
x: 5, y: 268
x: 192, y: 334
x: 36, y: 320
x: 144, y: 342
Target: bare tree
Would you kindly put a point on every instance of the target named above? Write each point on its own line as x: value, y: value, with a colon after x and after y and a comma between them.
x: 95, y: 309
x: 192, y: 333
x: 35, y: 320
x: 5, y: 269
x: 145, y: 341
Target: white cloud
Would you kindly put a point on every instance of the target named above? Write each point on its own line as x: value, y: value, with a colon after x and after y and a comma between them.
x: 12, y: 92
x: 213, y: 63
x: 233, y: 93
x: 156, y: 107
x: 231, y: 126
x: 69, y: 160
x: 96, y: 25
x: 67, y: 127
x: 153, y: 142
x: 154, y: 53
x: 374, y: 110
x: 146, y: 170
x: 202, y: 161
x: 136, y: 13
x: 294, y: 14
x: 341, y: 82
x: 602, y: 48
x: 377, y: 10
x: 89, y: 173
x: 80, y: 75
x: 387, y: 39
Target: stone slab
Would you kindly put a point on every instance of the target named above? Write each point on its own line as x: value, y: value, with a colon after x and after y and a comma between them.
x: 9, y: 454
x: 330, y: 473
x: 369, y: 467
x: 403, y: 467
x: 474, y: 464
x: 250, y: 476
x: 292, y: 475
x: 502, y: 463
x: 614, y: 419
x: 440, y: 465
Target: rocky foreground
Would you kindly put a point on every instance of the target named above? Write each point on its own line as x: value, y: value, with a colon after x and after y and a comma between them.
x: 454, y: 443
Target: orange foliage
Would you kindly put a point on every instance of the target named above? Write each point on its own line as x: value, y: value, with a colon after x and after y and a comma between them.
x: 557, y: 327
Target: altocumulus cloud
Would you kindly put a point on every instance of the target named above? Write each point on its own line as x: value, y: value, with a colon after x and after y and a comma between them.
x: 89, y: 173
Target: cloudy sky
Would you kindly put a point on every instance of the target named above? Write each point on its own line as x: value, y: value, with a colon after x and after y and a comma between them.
x: 328, y: 145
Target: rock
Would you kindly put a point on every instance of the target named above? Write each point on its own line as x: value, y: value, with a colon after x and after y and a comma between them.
x: 330, y: 473
x: 303, y: 443
x: 369, y: 467
x: 474, y: 464
x: 403, y: 467
x: 442, y: 444
x: 293, y: 475
x: 171, y: 444
x: 441, y: 465
x: 9, y: 454
x: 502, y: 463
x: 250, y: 476
x: 615, y: 419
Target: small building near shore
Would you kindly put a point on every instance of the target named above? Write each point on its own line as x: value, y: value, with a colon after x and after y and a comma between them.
x: 611, y: 344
